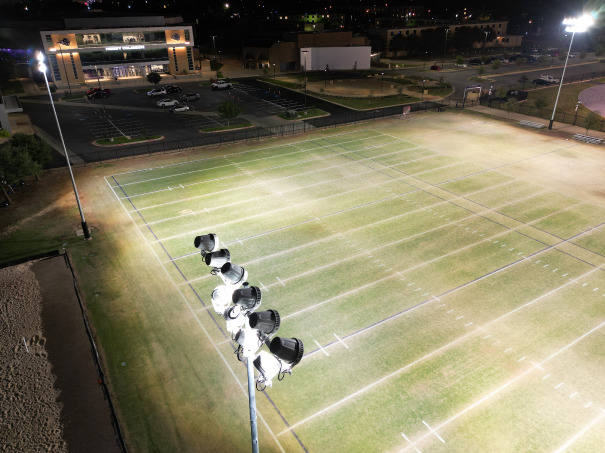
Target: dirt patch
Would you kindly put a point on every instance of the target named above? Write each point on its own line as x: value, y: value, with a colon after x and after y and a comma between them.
x: 51, y: 398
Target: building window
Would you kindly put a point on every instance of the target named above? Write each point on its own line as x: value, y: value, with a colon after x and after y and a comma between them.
x: 73, y: 65
x: 49, y: 40
x: 190, y: 58
x: 187, y: 34
x: 55, y: 67
x: 176, y: 62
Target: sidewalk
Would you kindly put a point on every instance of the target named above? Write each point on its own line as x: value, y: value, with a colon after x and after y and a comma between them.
x: 556, y: 127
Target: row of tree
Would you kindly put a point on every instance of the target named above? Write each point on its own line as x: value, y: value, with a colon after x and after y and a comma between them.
x: 22, y: 156
x: 435, y: 40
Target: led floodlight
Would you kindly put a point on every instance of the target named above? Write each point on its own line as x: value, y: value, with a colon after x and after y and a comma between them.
x: 290, y: 350
x: 207, y: 243
x: 268, y: 367
x: 218, y: 259
x: 221, y: 299
x: 232, y: 274
x: 248, y: 297
x: 266, y: 322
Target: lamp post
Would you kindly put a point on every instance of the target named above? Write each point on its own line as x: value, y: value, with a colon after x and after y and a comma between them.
x: 444, y: 48
x: 273, y: 71
x: 64, y: 67
x: 381, y: 79
x: 214, y: 45
x: 42, y: 69
x: 576, y: 115
x: 236, y: 302
x: 423, y: 80
x: 580, y: 24
x: 484, y: 42
x: 305, y: 52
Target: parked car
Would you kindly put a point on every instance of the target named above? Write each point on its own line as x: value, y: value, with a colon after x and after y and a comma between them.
x: 221, y: 84
x: 549, y: 79
x: 475, y: 61
x: 167, y: 102
x: 190, y: 97
x: 173, y: 89
x: 156, y: 92
x: 97, y: 94
x: 179, y: 108
x: 540, y: 82
x: 95, y: 89
x: 435, y: 68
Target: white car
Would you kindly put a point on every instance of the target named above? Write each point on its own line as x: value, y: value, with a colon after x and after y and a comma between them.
x: 179, y: 108
x: 156, y: 92
x: 167, y: 102
x: 221, y: 84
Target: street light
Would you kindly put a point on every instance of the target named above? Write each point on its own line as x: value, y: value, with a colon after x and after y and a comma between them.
x: 42, y: 69
x: 444, y: 47
x: 381, y: 79
x: 250, y: 330
x: 579, y: 24
x: 484, y: 42
x: 576, y: 115
x: 64, y: 67
x: 273, y: 71
x: 305, y: 52
x: 423, y: 80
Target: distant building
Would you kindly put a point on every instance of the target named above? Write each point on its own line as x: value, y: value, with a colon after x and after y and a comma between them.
x: 117, y: 47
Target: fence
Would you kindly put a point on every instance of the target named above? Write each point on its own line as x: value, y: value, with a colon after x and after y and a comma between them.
x: 256, y: 133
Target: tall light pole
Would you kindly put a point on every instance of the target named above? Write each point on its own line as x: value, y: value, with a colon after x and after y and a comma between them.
x: 444, y: 47
x: 579, y: 24
x: 42, y: 68
x: 423, y: 80
x: 64, y: 67
x: 484, y: 42
x: 381, y: 79
x: 305, y: 52
x: 273, y: 71
x: 214, y: 45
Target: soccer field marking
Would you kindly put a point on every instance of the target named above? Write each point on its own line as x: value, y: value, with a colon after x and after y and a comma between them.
x: 587, y: 405
x: 559, y: 385
x: 322, y: 349
x: 573, y: 395
x: 505, y: 385
x: 410, y: 442
x: 581, y: 433
x: 340, y: 340
x: 435, y: 351
x: 207, y: 334
x: 280, y: 281
x: 433, y: 431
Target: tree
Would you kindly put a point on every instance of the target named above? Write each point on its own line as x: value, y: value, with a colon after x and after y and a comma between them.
x: 523, y: 79
x: 496, y: 64
x: 8, y: 68
x: 15, y: 165
x: 540, y: 102
x: 481, y: 70
x: 370, y: 97
x: 38, y: 149
x: 229, y: 110
x: 510, y: 104
x: 399, y: 91
x: 154, y: 77
x: 459, y: 60
x: 591, y: 120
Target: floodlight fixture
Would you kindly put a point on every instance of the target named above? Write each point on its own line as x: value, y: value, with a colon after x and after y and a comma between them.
x: 248, y: 297
x: 249, y: 341
x: 207, y: 243
x: 289, y: 350
x: 218, y: 259
x: 232, y: 274
x: 579, y: 24
x: 268, y: 366
x: 286, y: 353
x: 221, y: 299
x: 266, y: 322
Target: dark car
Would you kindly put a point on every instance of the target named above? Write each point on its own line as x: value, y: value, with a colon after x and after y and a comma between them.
x: 173, y: 89
x: 540, y: 82
x: 98, y: 94
x: 475, y: 61
x: 96, y: 89
x: 190, y: 97
x: 435, y: 68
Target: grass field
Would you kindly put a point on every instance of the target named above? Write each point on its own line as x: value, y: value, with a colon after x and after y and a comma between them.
x: 444, y: 274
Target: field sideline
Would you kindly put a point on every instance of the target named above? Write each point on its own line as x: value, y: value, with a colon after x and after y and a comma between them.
x: 444, y: 273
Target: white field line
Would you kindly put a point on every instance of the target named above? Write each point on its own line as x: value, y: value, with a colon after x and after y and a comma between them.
x: 227, y: 156
x: 445, y: 347
x: 206, y: 333
x: 508, y: 383
x: 469, y: 246
x: 433, y: 431
x: 410, y: 442
x: 340, y: 340
x: 329, y: 155
x: 580, y: 433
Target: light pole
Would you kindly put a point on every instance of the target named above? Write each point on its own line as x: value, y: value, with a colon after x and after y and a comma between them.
x: 484, y: 42
x: 273, y: 71
x: 381, y: 79
x: 305, y: 52
x: 444, y: 47
x: 580, y: 24
x: 64, y: 67
x: 214, y: 45
x: 236, y: 302
x: 576, y: 115
x: 423, y: 80
x: 102, y: 103
x: 42, y: 69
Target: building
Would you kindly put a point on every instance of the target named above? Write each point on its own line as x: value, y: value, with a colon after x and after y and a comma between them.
x: 118, y: 48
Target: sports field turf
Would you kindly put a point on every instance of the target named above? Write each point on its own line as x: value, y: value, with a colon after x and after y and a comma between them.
x: 449, y: 296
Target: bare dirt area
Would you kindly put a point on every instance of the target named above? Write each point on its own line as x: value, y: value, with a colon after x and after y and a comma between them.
x: 50, y: 395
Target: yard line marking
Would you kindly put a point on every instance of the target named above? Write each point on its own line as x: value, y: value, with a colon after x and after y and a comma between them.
x: 546, y: 376
x: 339, y: 339
x: 433, y: 431
x: 417, y: 289
x: 425, y: 294
x: 580, y: 433
x: 564, y: 275
x: 495, y: 343
x: 596, y: 289
x: 546, y: 265
x: 538, y: 261
x: 410, y: 442
x: 263, y: 286
x: 278, y: 279
x: 449, y: 311
x: 512, y: 381
x: 442, y: 305
x: 411, y: 284
x: 588, y: 404
x: 521, y: 359
x: 240, y: 242
x: 459, y: 317
x: 585, y: 284
x: 486, y: 337
x: 468, y: 324
x: 436, y: 298
x: 558, y: 385
x: 555, y: 270
x: 322, y: 349
x: 573, y: 394
x: 536, y: 365
x: 509, y: 349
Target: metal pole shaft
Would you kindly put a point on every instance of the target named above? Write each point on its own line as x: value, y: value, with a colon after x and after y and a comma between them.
x: 73, y: 182
x: 552, y: 119
x: 252, y: 400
